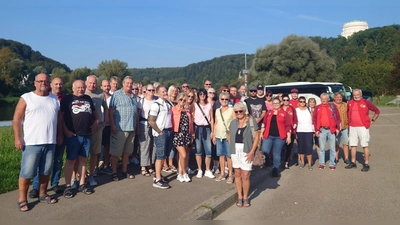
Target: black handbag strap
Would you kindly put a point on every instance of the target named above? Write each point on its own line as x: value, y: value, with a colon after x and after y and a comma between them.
x: 203, y: 114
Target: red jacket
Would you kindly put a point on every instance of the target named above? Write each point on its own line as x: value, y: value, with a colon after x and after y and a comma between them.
x: 333, y: 123
x: 291, y: 111
x: 363, y: 109
x: 283, y: 121
x: 176, y: 118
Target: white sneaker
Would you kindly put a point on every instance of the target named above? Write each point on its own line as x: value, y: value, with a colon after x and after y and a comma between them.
x: 180, y: 178
x: 189, y: 171
x: 199, y: 174
x: 91, y: 181
x: 209, y: 174
x: 186, y: 178
x: 74, y: 184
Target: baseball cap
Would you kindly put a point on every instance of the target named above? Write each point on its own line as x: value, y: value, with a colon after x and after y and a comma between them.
x: 294, y: 90
x: 260, y: 87
x: 253, y: 88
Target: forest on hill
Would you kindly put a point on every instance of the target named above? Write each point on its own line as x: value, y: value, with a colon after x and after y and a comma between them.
x: 368, y: 59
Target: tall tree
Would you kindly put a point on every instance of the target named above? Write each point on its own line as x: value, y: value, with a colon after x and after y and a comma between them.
x: 112, y: 68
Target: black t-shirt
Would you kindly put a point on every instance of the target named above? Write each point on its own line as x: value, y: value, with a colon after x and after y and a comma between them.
x: 255, y: 108
x: 273, y: 128
x: 78, y: 113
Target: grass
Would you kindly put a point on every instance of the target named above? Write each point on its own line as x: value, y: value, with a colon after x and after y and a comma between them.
x: 9, y: 100
x: 384, y: 100
x: 10, y: 161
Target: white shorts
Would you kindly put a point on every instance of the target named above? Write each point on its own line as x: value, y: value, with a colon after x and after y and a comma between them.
x: 239, y: 158
x: 358, y: 133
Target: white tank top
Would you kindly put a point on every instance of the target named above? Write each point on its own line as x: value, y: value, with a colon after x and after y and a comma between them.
x: 40, y: 123
x: 198, y: 115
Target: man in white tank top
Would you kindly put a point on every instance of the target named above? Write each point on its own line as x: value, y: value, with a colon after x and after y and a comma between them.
x: 36, y: 114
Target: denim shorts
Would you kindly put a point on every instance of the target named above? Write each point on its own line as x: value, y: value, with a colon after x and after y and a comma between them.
x: 162, y: 143
x: 78, y: 146
x: 206, y: 141
x: 37, y: 158
x: 343, y: 137
x: 222, y: 147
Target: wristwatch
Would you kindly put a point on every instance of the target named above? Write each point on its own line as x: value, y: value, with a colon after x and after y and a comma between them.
x: 373, y: 120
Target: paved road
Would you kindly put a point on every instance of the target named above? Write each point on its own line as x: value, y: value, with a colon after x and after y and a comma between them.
x: 342, y: 194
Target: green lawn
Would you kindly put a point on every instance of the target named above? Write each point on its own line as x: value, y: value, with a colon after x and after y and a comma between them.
x: 384, y: 100
x: 10, y: 161
x: 9, y: 100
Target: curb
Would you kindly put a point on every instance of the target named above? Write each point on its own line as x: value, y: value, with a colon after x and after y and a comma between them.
x: 214, y: 206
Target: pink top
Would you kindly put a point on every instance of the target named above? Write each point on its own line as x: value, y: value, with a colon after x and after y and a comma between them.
x: 198, y: 115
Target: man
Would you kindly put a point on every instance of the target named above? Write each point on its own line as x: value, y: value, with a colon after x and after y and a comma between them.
x: 343, y: 136
x: 260, y: 91
x: 256, y: 106
x: 105, y: 87
x: 234, y: 95
x: 326, y: 122
x: 56, y: 88
x: 124, y: 122
x: 36, y: 114
x: 80, y: 122
x: 294, y: 93
x: 185, y: 88
x: 99, y: 102
x: 160, y: 121
x: 207, y: 85
x: 242, y: 92
x: 359, y: 123
x: 114, y: 84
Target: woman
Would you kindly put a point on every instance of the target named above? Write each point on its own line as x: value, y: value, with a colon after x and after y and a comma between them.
x: 279, y: 95
x: 212, y: 98
x: 305, y: 132
x: 311, y: 106
x: 203, y: 118
x: 145, y: 141
x: 275, y: 129
x: 223, y: 88
x: 268, y: 100
x: 291, y: 111
x: 173, y: 95
x: 243, y: 138
x: 191, y: 101
x: 223, y: 118
x: 182, y: 125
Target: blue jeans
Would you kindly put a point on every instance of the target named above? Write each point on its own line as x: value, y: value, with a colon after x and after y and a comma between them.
x: 57, y: 166
x: 206, y: 141
x: 162, y: 143
x: 37, y: 159
x: 325, y: 135
x: 275, y: 143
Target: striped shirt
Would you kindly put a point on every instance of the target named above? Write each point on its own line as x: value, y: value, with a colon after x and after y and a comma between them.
x: 125, y: 110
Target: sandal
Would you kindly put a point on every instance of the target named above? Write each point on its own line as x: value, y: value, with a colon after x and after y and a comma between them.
x: 239, y: 202
x: 246, y: 203
x: 173, y: 169
x: 230, y: 179
x: 23, y: 206
x: 128, y: 175
x: 152, y: 172
x: 166, y: 169
x: 115, y: 177
x: 145, y: 173
x: 68, y: 192
x: 84, y: 189
x: 221, y: 177
x: 47, y: 199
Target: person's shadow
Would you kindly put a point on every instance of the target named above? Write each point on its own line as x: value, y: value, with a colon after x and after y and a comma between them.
x: 267, y: 182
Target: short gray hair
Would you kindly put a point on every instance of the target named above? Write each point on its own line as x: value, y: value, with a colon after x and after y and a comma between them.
x: 357, y: 90
x: 239, y: 105
x: 97, y: 79
x: 324, y: 94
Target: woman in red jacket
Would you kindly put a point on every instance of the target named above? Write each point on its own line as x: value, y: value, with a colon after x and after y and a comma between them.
x: 275, y: 129
x: 182, y: 125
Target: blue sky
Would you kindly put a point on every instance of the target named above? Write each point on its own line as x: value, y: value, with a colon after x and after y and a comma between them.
x: 175, y: 33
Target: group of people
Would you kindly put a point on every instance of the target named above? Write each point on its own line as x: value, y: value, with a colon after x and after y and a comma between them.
x: 159, y: 126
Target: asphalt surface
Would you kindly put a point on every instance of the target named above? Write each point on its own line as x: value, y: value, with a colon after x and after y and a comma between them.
x: 298, y: 194
x: 343, y: 194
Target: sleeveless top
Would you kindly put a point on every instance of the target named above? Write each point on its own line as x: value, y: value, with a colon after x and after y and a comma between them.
x: 220, y: 131
x: 40, y: 123
x: 198, y: 115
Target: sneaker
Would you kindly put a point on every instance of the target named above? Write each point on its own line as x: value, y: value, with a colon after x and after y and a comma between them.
x: 107, y: 170
x: 199, y: 174
x: 189, y: 171
x: 163, y: 179
x: 209, y: 174
x: 186, y: 177
x: 336, y: 161
x: 160, y: 184
x: 58, y: 189
x: 301, y: 166
x: 74, y: 184
x: 215, y: 168
x: 275, y: 173
x: 321, y: 167
x: 217, y: 171
x: 310, y: 168
x: 34, y: 193
x: 332, y: 167
x: 91, y: 181
x: 365, y: 168
x: 287, y: 167
x: 180, y: 178
x: 347, y: 162
x: 226, y: 170
x: 351, y: 165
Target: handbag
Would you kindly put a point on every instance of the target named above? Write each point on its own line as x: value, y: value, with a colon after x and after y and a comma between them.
x: 259, y: 157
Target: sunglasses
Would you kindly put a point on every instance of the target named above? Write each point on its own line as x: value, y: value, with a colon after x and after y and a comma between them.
x: 190, y: 96
x: 185, y: 86
x: 201, y: 93
x: 224, y: 99
x: 208, y: 84
x: 253, y: 91
x: 211, y: 93
x: 239, y: 111
x: 135, y: 89
x: 226, y: 90
x: 152, y: 90
x: 285, y: 100
x: 302, y: 101
x: 269, y: 95
x: 184, y: 100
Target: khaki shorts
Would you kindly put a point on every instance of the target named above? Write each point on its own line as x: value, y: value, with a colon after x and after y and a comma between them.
x: 97, y: 136
x: 358, y: 133
x: 121, y: 142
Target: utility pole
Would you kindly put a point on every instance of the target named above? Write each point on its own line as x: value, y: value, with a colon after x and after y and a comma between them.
x: 245, y: 72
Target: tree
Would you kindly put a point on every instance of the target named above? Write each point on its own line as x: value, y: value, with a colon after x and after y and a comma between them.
x: 394, y: 78
x: 112, y: 68
x: 294, y: 59
x: 6, y: 56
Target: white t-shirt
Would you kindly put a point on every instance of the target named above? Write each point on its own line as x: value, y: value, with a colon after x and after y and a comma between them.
x: 163, y: 112
x: 145, y: 109
x: 40, y: 122
x: 304, y: 119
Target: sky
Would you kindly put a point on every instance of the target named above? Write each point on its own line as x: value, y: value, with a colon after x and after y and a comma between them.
x: 174, y: 33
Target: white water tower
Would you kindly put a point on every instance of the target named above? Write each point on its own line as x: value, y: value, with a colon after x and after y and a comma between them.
x: 353, y: 27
